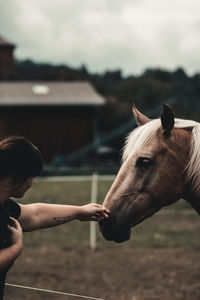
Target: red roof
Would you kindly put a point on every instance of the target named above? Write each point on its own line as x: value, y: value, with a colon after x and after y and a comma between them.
x: 4, y: 43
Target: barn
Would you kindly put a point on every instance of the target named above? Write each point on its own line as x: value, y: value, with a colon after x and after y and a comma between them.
x: 58, y: 117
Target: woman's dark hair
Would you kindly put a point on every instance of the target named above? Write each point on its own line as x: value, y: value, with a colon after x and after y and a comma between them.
x: 19, y: 159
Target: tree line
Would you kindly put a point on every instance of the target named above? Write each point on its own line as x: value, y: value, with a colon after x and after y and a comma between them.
x: 148, y: 90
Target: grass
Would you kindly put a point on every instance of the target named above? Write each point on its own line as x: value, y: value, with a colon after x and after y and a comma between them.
x: 171, y: 227
x: 161, y: 261
x: 124, y: 274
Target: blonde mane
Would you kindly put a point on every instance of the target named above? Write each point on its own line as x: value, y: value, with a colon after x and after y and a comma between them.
x: 143, y: 135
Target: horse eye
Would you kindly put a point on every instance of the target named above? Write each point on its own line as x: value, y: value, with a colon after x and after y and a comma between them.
x: 144, y: 162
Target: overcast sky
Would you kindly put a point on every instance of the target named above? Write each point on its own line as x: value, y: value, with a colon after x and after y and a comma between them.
x: 105, y: 34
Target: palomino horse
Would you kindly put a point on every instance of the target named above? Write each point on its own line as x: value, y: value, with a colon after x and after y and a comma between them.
x: 160, y: 165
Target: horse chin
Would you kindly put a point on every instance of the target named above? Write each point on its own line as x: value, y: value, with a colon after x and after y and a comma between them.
x: 119, y: 235
x: 122, y: 238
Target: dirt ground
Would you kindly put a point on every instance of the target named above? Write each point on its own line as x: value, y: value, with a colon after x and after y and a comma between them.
x: 115, y: 274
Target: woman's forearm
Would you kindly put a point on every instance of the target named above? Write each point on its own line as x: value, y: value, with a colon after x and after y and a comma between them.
x: 54, y: 214
x: 41, y: 215
x: 8, y: 255
x: 49, y: 215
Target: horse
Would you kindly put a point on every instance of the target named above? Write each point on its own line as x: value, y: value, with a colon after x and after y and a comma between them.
x: 160, y: 165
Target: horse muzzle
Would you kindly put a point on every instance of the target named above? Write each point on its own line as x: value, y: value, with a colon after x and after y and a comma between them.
x: 112, y: 231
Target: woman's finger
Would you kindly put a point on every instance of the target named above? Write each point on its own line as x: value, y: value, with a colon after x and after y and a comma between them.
x: 16, y: 223
x: 97, y: 205
x: 12, y: 229
x: 97, y: 214
x: 103, y: 208
x: 102, y: 214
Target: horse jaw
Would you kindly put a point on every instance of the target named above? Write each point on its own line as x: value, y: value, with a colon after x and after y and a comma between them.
x: 122, y: 234
x: 194, y: 201
x: 117, y: 228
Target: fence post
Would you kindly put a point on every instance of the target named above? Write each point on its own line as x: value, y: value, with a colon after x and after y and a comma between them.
x: 94, y: 192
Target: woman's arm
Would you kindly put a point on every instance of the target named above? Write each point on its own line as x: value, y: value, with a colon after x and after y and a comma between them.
x: 41, y: 215
x: 8, y: 255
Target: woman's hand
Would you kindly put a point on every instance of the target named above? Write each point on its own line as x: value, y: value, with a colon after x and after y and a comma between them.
x: 17, y: 238
x: 93, y: 212
x: 8, y: 255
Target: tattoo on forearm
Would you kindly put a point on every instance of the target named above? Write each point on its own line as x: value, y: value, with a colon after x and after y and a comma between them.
x: 62, y: 220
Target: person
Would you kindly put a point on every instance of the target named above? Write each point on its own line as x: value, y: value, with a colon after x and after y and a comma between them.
x: 20, y: 163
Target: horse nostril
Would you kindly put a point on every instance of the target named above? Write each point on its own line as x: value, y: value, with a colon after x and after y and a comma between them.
x: 104, y: 224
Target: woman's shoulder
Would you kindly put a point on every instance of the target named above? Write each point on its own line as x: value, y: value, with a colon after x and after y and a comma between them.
x: 13, y: 208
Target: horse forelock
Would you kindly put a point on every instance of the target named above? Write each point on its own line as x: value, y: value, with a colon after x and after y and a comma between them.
x: 140, y: 137
x: 144, y: 134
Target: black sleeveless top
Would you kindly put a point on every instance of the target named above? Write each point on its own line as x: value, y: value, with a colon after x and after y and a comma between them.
x: 7, y: 209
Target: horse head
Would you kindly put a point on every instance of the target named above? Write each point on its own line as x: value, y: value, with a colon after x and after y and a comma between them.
x: 154, y: 172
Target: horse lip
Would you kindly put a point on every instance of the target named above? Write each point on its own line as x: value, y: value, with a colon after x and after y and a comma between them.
x: 123, y: 238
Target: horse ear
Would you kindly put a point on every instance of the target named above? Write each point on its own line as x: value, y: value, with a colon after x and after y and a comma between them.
x: 167, y: 119
x: 139, y: 117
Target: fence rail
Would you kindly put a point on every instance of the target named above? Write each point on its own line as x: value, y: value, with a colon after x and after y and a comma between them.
x: 75, y: 178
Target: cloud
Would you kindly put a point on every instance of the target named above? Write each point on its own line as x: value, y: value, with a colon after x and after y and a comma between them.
x: 129, y: 34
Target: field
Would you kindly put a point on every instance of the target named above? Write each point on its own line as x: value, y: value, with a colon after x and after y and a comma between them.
x: 161, y: 261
